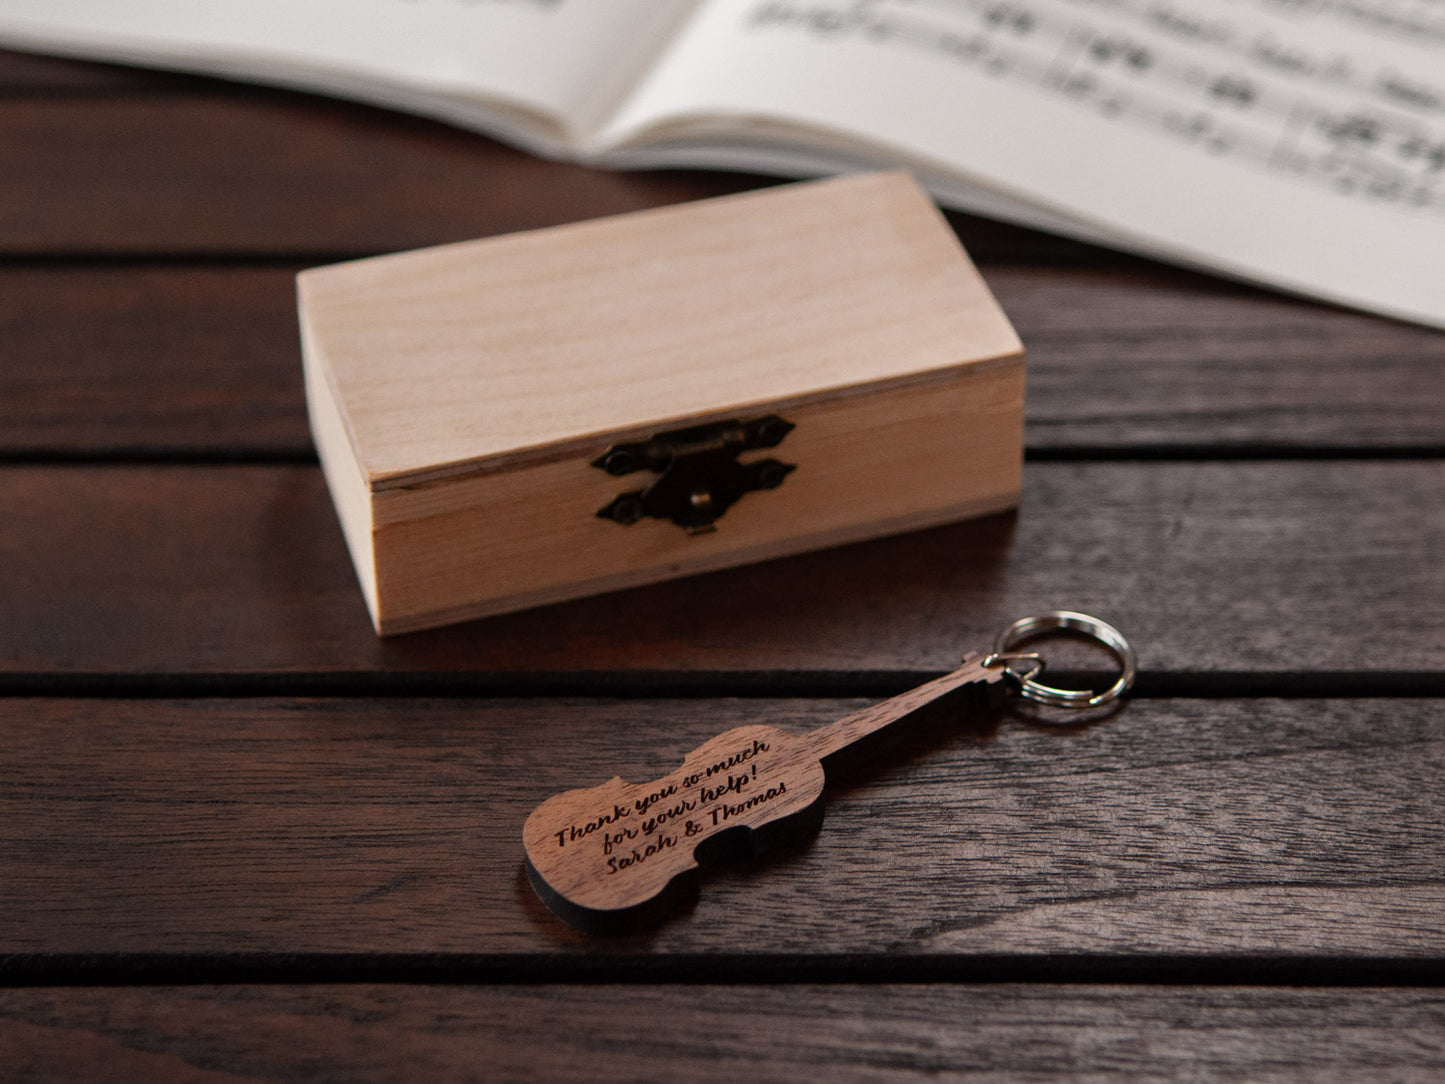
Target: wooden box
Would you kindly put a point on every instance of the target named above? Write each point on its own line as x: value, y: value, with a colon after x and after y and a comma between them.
x: 523, y: 419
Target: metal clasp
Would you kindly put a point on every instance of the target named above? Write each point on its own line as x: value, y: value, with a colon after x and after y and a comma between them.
x: 700, y: 477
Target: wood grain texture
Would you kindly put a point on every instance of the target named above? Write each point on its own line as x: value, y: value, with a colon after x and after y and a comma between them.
x: 1209, y: 568
x: 619, y: 856
x: 205, y: 360
x: 147, y: 360
x: 483, y: 354
x: 792, y: 1033
x: 259, y: 172
x: 461, y: 395
x: 1192, y: 830
x: 1148, y: 357
x: 1213, y: 836
x: 868, y: 464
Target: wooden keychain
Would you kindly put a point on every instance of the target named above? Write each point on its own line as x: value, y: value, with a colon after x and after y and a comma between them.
x: 620, y: 856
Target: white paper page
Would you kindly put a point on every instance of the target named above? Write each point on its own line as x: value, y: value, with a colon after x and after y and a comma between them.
x: 1299, y: 143
x: 555, y: 63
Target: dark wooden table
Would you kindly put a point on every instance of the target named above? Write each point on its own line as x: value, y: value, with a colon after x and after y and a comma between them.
x: 242, y: 837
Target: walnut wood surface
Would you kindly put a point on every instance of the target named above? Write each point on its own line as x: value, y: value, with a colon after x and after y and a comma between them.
x: 278, y: 173
x: 258, y: 172
x: 149, y: 228
x: 1149, y: 357
x: 743, y: 1032
x: 27, y: 74
x: 1187, y: 829
x: 150, y: 359
x: 204, y: 360
x: 618, y: 855
x: 1312, y: 568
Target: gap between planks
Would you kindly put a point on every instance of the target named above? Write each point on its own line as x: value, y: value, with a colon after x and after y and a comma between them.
x: 705, y: 969
x: 688, y: 684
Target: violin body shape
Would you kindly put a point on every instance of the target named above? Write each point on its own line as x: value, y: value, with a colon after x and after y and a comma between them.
x: 619, y: 856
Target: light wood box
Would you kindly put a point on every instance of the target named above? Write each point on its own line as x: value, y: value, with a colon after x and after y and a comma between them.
x: 459, y: 396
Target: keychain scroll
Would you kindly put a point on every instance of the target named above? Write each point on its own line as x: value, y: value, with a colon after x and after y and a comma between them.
x: 622, y: 855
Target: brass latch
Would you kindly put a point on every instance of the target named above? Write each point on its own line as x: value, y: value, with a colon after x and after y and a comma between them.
x: 700, y: 476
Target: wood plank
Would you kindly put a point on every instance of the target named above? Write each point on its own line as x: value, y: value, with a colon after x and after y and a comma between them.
x: 1155, y: 358
x: 204, y: 360
x: 1211, y: 568
x: 628, y: 1033
x: 148, y: 360
x: 260, y: 172
x: 1183, y: 830
x: 33, y: 75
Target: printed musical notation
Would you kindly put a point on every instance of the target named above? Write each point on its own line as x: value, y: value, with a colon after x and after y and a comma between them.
x: 1206, y: 76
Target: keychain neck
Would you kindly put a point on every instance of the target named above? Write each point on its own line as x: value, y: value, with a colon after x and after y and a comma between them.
x: 976, y: 670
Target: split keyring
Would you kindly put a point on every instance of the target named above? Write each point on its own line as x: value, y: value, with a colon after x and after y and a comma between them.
x: 1069, y: 620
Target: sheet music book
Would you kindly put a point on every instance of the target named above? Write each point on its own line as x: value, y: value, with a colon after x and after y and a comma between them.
x: 1295, y: 143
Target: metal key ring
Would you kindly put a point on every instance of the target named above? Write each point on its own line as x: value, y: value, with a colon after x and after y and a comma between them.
x: 1101, y: 631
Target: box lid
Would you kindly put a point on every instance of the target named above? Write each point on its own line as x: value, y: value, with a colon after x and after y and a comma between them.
x: 489, y: 354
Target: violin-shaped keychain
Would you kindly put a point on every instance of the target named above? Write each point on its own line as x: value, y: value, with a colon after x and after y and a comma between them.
x: 621, y: 855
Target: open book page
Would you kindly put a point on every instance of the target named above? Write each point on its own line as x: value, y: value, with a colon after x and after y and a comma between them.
x: 536, y: 71
x: 1299, y: 143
